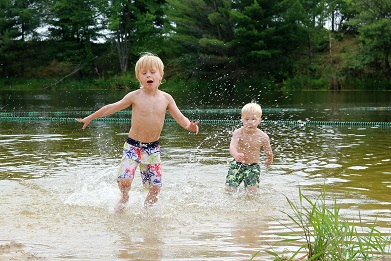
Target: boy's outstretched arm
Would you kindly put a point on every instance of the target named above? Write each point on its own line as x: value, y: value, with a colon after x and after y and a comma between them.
x: 180, y: 118
x: 107, y: 110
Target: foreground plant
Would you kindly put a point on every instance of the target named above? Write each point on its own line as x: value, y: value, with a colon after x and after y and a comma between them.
x: 327, y: 237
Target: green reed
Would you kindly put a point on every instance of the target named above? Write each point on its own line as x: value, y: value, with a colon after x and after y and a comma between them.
x: 329, y: 237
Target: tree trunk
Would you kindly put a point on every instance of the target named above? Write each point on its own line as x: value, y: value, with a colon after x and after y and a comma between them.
x: 122, y: 47
x: 333, y: 21
x: 4, y: 70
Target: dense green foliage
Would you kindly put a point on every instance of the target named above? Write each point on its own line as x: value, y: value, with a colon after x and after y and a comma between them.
x: 291, y: 44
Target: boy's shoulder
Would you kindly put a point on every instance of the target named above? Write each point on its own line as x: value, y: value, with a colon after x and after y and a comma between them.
x: 261, y: 132
x: 238, y: 131
x: 164, y: 93
x: 133, y: 92
x: 263, y: 135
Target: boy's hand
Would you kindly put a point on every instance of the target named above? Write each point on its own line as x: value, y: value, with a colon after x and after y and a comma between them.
x: 239, y: 157
x: 85, y: 121
x: 193, y: 127
x: 267, y: 162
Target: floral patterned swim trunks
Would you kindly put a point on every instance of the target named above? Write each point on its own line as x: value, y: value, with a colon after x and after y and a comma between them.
x: 144, y: 155
x: 238, y: 172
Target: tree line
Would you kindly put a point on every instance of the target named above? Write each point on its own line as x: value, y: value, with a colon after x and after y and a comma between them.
x: 280, y: 43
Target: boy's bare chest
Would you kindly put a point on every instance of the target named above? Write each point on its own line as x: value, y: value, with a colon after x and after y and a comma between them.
x: 250, y: 141
x: 150, y: 106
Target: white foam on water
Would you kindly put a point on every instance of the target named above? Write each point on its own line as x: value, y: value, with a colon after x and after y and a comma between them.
x: 357, y: 167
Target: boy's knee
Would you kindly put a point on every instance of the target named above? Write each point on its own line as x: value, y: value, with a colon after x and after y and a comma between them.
x: 154, y: 190
x: 252, y: 189
x: 125, y: 183
x: 230, y: 189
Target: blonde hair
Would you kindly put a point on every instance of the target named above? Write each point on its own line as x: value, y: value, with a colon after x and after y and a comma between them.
x: 149, y: 61
x: 252, y: 107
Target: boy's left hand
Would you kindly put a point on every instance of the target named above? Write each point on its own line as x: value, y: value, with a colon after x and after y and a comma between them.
x: 267, y: 163
x: 193, y: 127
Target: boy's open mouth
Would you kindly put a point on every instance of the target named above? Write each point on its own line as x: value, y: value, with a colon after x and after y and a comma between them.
x: 149, y: 81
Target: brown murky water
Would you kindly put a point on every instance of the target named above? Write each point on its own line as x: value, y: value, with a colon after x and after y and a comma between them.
x: 58, y: 189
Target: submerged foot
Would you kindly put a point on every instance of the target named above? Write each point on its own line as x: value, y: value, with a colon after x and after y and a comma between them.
x: 152, y: 196
x: 149, y: 203
x: 121, y: 206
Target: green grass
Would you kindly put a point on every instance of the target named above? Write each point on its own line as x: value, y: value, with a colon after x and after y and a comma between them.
x: 327, y: 236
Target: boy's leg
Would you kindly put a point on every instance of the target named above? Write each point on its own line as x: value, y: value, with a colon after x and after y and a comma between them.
x: 233, y: 178
x: 129, y: 163
x: 151, y: 173
x: 152, y: 180
x: 230, y: 189
x: 124, y: 186
x: 252, y: 189
x: 252, y: 177
x: 152, y: 196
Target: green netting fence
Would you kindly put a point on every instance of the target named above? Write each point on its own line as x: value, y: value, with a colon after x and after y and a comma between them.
x: 71, y: 116
x: 218, y: 122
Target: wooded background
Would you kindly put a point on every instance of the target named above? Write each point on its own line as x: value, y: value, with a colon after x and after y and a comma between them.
x: 282, y: 43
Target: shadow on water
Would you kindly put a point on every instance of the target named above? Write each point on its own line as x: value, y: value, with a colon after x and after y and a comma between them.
x: 59, y: 180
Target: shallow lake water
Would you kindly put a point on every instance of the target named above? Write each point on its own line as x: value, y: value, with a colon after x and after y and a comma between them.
x: 58, y: 182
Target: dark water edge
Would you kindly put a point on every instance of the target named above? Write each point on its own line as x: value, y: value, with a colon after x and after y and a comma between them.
x: 312, y: 105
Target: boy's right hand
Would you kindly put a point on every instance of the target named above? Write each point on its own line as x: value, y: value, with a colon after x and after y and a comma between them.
x: 85, y: 121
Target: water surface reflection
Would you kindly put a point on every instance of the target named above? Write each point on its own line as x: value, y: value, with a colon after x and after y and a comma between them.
x: 64, y: 181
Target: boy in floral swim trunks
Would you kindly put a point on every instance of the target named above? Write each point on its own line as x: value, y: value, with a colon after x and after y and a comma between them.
x: 245, y: 147
x: 149, y: 105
